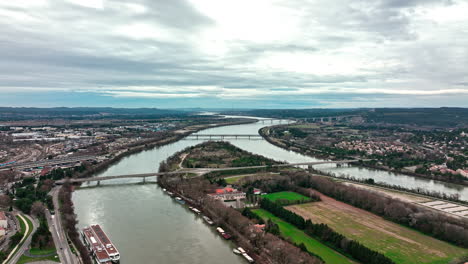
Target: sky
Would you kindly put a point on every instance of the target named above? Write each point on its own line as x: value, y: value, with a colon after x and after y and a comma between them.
x: 234, y: 54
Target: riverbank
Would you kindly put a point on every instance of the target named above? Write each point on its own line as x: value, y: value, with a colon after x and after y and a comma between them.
x: 194, y: 192
x: 173, y: 136
x: 92, y: 170
x: 181, y: 236
x: 315, y: 153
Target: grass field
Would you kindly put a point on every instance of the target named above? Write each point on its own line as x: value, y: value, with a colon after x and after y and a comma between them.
x: 234, y: 179
x: 25, y: 259
x: 291, y: 197
x: 401, y: 244
x: 298, y: 236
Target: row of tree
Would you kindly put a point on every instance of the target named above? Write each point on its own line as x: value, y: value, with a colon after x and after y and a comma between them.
x: 327, y: 235
x: 264, y: 247
x: 70, y: 221
x: 425, y: 220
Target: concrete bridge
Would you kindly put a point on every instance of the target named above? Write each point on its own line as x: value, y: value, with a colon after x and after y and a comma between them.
x: 270, y: 120
x: 51, y: 162
x: 222, y: 136
x: 198, y: 171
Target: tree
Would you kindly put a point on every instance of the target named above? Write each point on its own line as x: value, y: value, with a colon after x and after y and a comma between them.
x: 5, y: 201
x: 37, y: 208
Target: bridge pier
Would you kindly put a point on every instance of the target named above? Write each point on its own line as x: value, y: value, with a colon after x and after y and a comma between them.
x: 144, y: 179
x: 98, y: 183
x: 309, y: 168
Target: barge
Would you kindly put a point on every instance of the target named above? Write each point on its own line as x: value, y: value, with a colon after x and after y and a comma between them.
x: 99, y: 245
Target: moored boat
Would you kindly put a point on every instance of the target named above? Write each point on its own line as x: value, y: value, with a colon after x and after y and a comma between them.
x: 99, y: 245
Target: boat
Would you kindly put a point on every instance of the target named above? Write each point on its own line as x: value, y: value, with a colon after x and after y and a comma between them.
x: 164, y: 190
x: 170, y: 193
x: 180, y: 200
x: 208, y: 220
x: 235, y: 251
x: 195, y: 210
x: 223, y: 233
x: 99, y: 245
x: 248, y: 258
x: 226, y: 236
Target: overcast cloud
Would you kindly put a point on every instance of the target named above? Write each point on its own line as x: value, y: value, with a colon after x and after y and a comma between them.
x: 215, y: 53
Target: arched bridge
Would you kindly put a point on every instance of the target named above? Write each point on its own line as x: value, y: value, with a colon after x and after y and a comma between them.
x: 198, y: 171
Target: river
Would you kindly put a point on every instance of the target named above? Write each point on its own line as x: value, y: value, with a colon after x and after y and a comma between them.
x: 147, y: 226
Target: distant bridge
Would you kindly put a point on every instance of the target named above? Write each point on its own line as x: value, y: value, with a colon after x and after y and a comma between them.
x: 222, y: 136
x: 198, y: 171
x: 51, y: 162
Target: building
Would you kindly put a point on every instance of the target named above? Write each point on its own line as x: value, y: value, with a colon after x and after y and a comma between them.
x: 3, y: 220
x: 229, y: 196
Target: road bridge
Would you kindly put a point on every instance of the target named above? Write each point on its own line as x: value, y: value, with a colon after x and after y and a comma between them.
x: 51, y: 162
x: 198, y: 171
x: 222, y: 136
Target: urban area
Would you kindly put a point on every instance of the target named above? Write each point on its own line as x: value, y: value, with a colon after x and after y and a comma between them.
x: 344, y: 201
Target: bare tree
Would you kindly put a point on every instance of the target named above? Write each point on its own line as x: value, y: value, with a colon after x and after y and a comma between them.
x: 37, y: 208
x: 5, y: 201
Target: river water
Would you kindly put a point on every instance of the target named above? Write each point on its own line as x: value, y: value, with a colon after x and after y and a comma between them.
x: 147, y: 226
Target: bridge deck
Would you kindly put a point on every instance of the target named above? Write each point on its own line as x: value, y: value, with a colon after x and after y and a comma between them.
x: 199, y: 171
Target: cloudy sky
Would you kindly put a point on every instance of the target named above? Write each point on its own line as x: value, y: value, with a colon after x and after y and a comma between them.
x: 242, y: 53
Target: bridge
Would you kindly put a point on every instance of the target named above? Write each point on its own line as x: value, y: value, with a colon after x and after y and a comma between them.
x: 51, y: 162
x: 266, y: 120
x: 222, y: 136
x: 198, y: 171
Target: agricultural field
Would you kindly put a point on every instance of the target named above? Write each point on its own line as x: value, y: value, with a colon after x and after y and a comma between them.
x: 297, y: 236
x: 290, y: 197
x: 401, y: 244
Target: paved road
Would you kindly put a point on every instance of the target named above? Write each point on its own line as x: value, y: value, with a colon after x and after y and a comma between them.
x: 199, y: 171
x: 58, y: 233
x: 26, y: 243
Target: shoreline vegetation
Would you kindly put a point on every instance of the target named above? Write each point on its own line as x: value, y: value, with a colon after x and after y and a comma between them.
x: 195, y: 197
x: 298, y: 187
x: 262, y: 246
x: 419, y: 191
x: 317, y: 153
x: 67, y: 209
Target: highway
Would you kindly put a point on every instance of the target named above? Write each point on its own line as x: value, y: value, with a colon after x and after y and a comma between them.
x: 58, y: 233
x: 42, y: 163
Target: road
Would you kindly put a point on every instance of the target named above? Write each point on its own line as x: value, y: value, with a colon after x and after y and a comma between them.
x: 58, y: 233
x: 47, y: 162
x: 198, y: 171
x: 27, y: 241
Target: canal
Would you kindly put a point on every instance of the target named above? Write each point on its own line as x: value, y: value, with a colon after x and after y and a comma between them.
x: 147, y: 226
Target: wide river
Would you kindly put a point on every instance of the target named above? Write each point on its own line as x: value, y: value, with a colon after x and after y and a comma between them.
x: 147, y: 226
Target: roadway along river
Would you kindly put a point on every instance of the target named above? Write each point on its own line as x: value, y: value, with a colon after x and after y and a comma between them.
x: 147, y: 226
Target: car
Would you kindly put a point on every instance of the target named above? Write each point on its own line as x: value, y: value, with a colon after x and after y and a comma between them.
x: 52, y: 212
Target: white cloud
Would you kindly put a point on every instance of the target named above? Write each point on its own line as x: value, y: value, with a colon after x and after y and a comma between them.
x: 237, y: 49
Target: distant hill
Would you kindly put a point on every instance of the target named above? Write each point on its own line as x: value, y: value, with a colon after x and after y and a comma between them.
x: 432, y: 117
x: 25, y: 113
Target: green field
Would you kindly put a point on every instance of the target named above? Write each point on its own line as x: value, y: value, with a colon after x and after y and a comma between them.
x: 25, y: 259
x: 291, y: 197
x: 233, y: 180
x: 297, y: 236
x: 401, y: 244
